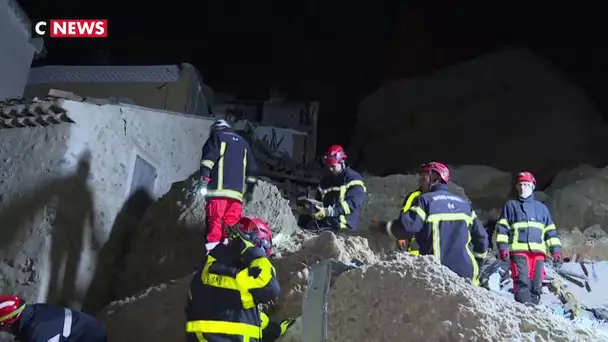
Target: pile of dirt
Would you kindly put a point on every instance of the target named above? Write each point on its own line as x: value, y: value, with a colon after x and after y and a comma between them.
x: 384, y: 199
x: 129, y: 319
x: 416, y: 297
x: 169, y: 241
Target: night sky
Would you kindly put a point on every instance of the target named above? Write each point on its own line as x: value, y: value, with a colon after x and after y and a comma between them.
x: 336, y: 52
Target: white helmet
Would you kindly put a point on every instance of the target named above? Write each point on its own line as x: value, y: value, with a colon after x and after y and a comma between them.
x: 220, y: 124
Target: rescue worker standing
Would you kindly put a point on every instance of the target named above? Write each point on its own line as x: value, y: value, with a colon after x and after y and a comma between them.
x: 234, y: 278
x: 523, y: 233
x: 423, y: 187
x: 342, y: 192
x: 47, y: 323
x: 226, y: 164
x: 443, y: 224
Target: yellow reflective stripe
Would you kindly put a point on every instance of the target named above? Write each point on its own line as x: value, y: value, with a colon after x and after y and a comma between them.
x: 419, y: 211
x: 502, y: 238
x: 504, y: 222
x: 220, y: 167
x: 528, y: 246
x: 473, y: 261
x: 344, y: 187
x: 247, y: 282
x: 552, y: 242
x: 343, y: 224
x: 480, y: 255
x: 436, y: 233
x: 356, y: 183
x: 12, y: 314
x: 225, y: 282
x: 473, y: 215
x: 264, y: 319
x: 208, y: 163
x: 450, y: 217
x: 527, y: 224
x: 248, y: 331
x: 200, y: 337
x: 550, y: 227
x: 436, y: 219
x: 345, y: 207
x: 225, y: 193
x: 410, y: 200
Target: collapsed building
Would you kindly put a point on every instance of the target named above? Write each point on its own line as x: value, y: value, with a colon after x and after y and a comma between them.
x: 141, y: 274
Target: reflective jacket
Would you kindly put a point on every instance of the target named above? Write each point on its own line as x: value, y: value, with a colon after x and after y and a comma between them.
x: 526, y: 226
x: 445, y: 226
x: 228, y: 161
x: 413, y: 247
x: 225, y: 293
x: 48, y: 323
x: 345, y: 193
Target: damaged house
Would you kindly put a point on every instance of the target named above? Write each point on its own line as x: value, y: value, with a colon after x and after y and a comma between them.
x: 75, y: 172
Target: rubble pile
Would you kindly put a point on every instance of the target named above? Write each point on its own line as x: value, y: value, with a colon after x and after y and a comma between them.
x: 168, y: 243
x: 129, y: 319
x: 414, y: 297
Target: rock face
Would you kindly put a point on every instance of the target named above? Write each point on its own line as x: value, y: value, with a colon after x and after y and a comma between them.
x: 579, y: 198
x: 481, y: 112
x: 169, y: 242
x: 417, y: 298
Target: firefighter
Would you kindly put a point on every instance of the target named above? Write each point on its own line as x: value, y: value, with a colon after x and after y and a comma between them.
x: 234, y: 279
x: 342, y: 192
x: 47, y: 323
x: 226, y: 162
x: 443, y: 224
x: 523, y: 233
x: 423, y: 187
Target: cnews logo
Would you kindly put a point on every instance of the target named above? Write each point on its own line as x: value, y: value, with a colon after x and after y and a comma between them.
x: 71, y: 28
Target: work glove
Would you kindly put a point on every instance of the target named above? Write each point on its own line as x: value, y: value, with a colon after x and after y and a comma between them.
x: 557, y: 258
x: 286, y: 324
x: 503, y: 255
x: 202, y: 185
x: 237, y: 239
x: 323, y: 212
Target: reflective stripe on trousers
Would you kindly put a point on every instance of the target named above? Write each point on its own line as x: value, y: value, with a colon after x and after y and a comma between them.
x: 247, y: 331
x: 67, y: 327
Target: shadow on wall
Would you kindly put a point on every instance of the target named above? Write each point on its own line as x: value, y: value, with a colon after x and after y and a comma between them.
x: 69, y: 205
x: 110, y: 259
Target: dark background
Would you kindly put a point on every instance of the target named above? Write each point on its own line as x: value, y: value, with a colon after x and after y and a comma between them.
x: 336, y: 52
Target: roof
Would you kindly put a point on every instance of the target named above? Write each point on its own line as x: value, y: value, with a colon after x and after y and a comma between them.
x: 17, y: 113
x: 103, y: 74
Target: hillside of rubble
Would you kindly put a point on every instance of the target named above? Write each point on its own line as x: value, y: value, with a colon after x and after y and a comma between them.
x: 362, y: 302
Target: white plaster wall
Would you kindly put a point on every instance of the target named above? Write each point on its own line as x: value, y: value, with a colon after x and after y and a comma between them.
x: 33, y: 157
x: 16, y: 53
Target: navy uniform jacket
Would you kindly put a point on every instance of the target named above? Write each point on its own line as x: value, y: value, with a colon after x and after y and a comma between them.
x: 225, y: 293
x: 227, y: 159
x: 445, y: 226
x: 407, y: 204
x: 45, y: 322
x: 526, y: 226
x: 346, y: 194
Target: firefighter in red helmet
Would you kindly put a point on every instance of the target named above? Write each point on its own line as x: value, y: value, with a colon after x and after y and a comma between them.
x: 342, y: 192
x: 443, y: 224
x: 232, y: 281
x: 47, y: 323
x: 523, y: 233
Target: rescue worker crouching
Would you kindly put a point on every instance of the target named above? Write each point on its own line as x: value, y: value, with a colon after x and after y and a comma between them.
x: 342, y: 192
x: 47, y: 323
x: 443, y: 224
x: 423, y: 187
x: 227, y: 175
x: 234, y: 279
x: 523, y: 233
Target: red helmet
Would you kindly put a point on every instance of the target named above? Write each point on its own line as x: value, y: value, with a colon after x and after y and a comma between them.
x: 10, y: 309
x: 526, y: 176
x: 258, y: 232
x: 442, y: 170
x: 335, y: 155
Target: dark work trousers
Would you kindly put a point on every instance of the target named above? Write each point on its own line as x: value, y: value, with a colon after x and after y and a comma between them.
x: 308, y: 223
x: 528, y: 272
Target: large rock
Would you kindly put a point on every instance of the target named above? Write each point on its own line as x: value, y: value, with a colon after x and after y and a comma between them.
x: 384, y: 201
x: 511, y: 109
x: 579, y: 198
x: 169, y: 242
x: 414, y: 298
